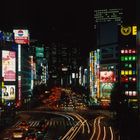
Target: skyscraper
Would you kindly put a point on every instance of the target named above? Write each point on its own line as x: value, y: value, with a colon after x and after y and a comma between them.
x: 106, y: 24
x: 63, y: 62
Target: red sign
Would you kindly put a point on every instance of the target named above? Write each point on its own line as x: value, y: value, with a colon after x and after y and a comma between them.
x: 107, y: 76
x: 21, y: 36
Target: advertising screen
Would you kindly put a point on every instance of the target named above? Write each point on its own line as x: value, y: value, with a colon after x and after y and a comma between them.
x: 107, y: 76
x: 106, y: 89
x: 8, y: 92
x: 9, y: 65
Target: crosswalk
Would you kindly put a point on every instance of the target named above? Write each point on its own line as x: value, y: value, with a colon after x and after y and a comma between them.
x: 49, y: 123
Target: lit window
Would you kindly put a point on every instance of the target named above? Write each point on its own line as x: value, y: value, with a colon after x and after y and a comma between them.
x: 122, y: 51
x: 134, y: 58
x: 126, y: 51
x: 126, y: 92
x: 130, y: 93
x: 134, y: 93
x: 130, y: 72
x: 126, y: 72
x: 130, y: 51
x: 130, y: 65
x: 126, y: 65
x: 122, y: 72
x: 122, y: 58
x: 126, y: 58
x: 130, y: 78
x: 130, y: 58
x: 134, y: 79
x: 134, y: 72
x: 112, y: 67
x: 133, y: 51
x: 126, y: 79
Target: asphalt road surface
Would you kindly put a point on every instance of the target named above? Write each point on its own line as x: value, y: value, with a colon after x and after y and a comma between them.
x: 66, y: 125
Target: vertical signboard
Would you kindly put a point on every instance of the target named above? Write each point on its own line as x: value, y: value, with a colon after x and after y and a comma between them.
x: 21, y: 36
x: 9, y: 65
x: 19, y: 74
x: 91, y: 68
x: 32, y: 72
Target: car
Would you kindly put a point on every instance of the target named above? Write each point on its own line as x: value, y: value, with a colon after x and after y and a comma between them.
x: 24, y: 125
x: 18, y: 133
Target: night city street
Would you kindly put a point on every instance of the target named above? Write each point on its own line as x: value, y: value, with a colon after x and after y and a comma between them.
x: 69, y: 70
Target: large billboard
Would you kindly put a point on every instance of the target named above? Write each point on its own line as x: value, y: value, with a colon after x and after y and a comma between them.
x: 9, y: 65
x: 21, y: 36
x: 8, y: 92
x: 106, y: 89
x: 107, y: 76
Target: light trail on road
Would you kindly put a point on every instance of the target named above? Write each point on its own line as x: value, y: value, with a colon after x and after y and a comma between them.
x: 104, y: 133
x: 85, y: 123
x: 76, y: 116
x: 97, y: 127
x: 97, y: 120
x: 74, y: 130
x: 94, y: 128
x: 111, y: 131
x: 70, y: 130
x: 74, y: 133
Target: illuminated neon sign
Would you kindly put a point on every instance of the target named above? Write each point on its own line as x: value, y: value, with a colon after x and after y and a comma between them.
x: 129, y: 30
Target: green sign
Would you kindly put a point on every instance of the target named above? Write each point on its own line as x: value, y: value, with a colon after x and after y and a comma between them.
x: 39, y: 52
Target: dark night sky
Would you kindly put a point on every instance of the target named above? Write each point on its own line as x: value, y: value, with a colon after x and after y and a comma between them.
x: 55, y: 20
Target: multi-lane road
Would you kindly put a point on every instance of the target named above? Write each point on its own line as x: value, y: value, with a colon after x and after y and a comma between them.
x: 69, y: 119
x: 66, y: 125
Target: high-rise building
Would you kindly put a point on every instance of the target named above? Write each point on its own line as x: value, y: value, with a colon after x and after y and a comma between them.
x: 128, y: 63
x: 108, y: 15
x: 63, y: 63
x: 106, y: 23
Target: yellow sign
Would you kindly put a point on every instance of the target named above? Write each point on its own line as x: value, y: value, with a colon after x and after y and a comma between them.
x: 128, y: 30
x: 134, y: 30
x: 125, y: 30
